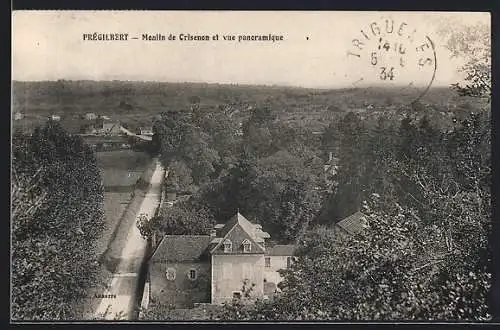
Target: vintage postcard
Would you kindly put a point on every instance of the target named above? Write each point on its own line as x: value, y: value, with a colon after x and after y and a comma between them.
x: 269, y: 166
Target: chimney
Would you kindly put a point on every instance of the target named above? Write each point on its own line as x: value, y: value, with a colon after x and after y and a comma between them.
x: 213, y: 233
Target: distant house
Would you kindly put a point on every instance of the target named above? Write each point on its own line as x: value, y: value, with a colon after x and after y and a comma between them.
x: 90, y: 116
x: 109, y: 129
x: 185, y: 270
x: 55, y: 117
x: 18, y: 116
x: 145, y: 130
x: 353, y: 224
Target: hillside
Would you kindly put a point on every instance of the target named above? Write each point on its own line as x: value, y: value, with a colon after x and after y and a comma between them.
x: 137, y: 103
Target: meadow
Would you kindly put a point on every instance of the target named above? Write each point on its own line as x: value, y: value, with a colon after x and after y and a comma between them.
x: 121, y: 169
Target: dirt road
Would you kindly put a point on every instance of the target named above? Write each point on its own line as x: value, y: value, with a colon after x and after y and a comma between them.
x: 120, y: 297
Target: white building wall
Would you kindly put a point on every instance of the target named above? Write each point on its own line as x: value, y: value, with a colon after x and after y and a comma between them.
x: 271, y: 273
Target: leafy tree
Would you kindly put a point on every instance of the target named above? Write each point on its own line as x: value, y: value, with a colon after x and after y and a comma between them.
x: 169, y: 133
x: 472, y: 44
x: 202, y: 140
x: 183, y: 218
x: 57, y: 204
x: 349, y: 139
x: 179, y: 177
x: 277, y: 191
x: 257, y: 132
x: 221, y: 129
x: 399, y: 269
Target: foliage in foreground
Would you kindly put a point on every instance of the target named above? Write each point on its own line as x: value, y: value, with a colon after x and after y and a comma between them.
x: 57, y: 217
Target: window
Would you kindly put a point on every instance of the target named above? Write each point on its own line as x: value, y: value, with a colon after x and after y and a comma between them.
x: 170, y: 274
x: 288, y: 262
x: 228, y: 246
x: 267, y: 262
x: 246, y: 246
x: 236, y: 295
x: 192, y: 274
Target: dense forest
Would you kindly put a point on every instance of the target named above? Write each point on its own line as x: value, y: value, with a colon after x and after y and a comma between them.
x: 426, y: 193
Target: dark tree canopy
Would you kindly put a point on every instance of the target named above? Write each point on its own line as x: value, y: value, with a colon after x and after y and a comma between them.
x: 53, y: 245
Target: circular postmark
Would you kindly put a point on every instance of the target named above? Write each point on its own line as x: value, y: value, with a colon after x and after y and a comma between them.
x: 388, y: 52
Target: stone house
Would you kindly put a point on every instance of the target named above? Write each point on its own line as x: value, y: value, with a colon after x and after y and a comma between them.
x: 179, y: 270
x: 187, y: 269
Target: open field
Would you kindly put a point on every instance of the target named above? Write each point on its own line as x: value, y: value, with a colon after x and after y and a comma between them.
x: 125, y: 160
x: 126, y: 218
x: 114, y: 206
x: 120, y: 170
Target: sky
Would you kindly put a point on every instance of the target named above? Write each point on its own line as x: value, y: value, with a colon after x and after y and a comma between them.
x: 49, y: 45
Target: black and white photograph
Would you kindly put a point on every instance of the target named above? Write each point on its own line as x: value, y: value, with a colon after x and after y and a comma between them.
x: 251, y: 166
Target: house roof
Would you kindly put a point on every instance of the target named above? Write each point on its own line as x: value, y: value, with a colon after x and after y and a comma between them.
x: 282, y: 250
x: 237, y: 229
x: 353, y: 224
x: 182, y: 248
x: 216, y: 240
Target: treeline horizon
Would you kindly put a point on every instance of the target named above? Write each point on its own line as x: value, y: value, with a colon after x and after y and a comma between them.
x: 225, y: 84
